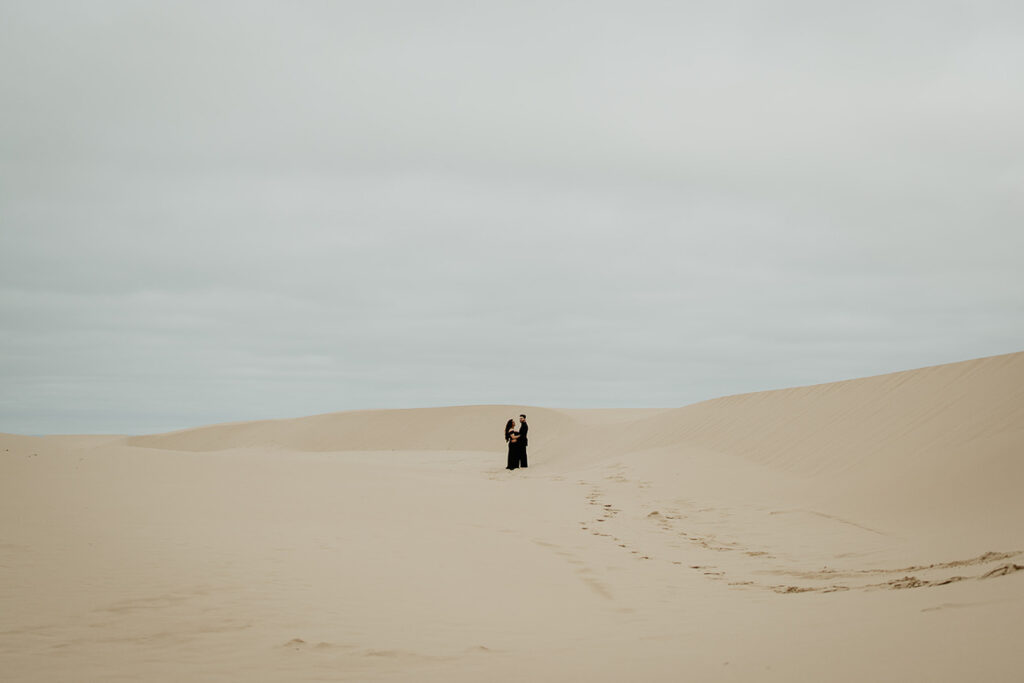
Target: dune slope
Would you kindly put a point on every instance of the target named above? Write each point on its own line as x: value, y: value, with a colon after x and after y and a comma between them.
x: 858, y: 530
x: 974, y: 408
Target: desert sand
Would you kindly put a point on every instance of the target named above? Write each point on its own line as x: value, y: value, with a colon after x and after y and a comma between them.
x: 863, y: 530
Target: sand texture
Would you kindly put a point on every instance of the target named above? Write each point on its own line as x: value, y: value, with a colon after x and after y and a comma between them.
x: 866, y: 530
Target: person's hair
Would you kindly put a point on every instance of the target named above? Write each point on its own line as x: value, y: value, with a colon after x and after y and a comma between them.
x: 509, y: 426
x: 522, y: 415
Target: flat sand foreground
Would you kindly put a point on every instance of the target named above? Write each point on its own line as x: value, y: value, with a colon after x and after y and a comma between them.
x: 867, y: 530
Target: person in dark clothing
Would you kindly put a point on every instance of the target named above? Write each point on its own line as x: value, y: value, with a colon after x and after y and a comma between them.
x: 511, y: 439
x: 522, y: 440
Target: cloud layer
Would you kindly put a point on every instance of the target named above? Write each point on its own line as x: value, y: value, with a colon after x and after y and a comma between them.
x: 225, y: 211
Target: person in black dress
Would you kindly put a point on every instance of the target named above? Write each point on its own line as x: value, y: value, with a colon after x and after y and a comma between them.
x: 511, y: 438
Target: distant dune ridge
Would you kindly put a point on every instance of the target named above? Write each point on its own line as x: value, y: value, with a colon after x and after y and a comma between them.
x: 859, y: 530
x: 974, y: 408
x: 950, y: 432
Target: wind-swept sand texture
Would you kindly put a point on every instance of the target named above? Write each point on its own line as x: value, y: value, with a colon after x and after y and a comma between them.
x: 868, y: 530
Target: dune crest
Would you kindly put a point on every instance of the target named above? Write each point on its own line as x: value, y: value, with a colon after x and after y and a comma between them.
x: 934, y: 414
x: 463, y: 428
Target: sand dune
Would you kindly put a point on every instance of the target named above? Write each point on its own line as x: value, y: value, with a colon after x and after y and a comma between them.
x: 972, y: 408
x: 866, y: 529
x: 468, y: 428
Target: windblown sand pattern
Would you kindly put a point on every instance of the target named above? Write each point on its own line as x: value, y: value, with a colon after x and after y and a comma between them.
x: 860, y: 530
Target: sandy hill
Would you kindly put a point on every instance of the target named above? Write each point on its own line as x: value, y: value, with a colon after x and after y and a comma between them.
x: 859, y: 530
x: 934, y: 417
x: 465, y: 428
x: 938, y: 446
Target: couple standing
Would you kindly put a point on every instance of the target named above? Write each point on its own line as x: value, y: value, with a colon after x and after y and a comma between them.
x: 516, y: 438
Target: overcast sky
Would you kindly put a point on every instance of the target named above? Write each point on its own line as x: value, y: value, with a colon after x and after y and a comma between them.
x: 226, y: 211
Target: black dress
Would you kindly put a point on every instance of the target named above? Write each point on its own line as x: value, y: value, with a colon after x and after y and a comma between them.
x: 513, y: 452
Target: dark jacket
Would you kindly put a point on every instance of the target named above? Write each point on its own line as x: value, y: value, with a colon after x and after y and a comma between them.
x: 523, y: 428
